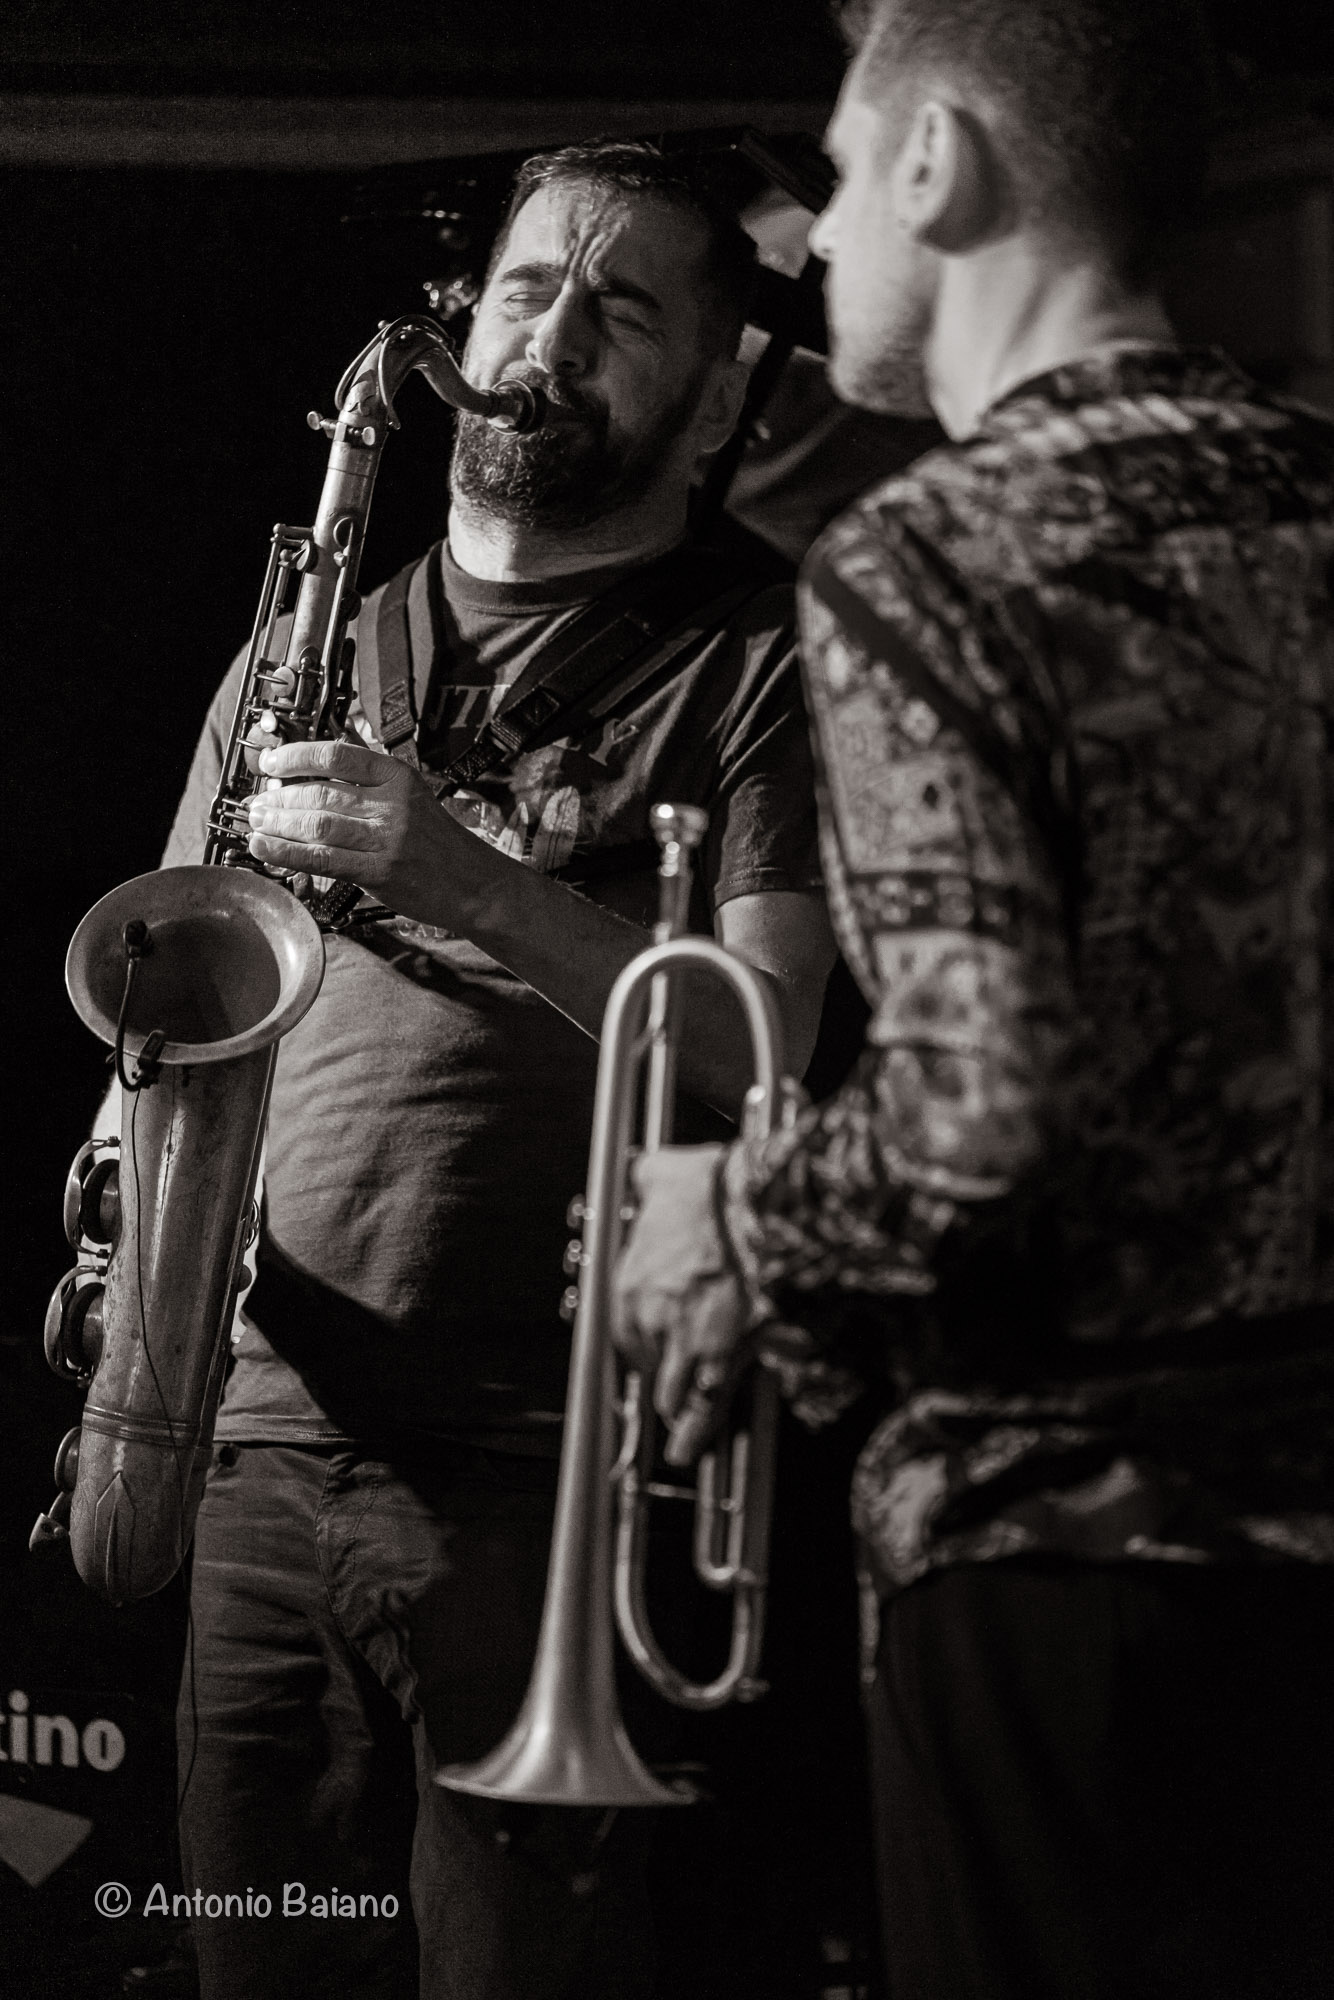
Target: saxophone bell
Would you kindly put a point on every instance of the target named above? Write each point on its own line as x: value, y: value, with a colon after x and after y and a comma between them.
x: 161, y: 1220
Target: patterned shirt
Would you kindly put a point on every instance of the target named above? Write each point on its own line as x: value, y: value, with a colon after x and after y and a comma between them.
x: 1073, y: 685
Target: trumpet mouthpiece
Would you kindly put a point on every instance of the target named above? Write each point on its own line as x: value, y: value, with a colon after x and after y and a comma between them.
x: 678, y: 828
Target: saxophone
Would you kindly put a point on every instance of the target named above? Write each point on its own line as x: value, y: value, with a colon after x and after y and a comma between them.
x: 193, y: 975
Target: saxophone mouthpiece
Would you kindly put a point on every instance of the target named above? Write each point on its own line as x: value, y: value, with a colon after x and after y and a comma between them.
x: 516, y: 406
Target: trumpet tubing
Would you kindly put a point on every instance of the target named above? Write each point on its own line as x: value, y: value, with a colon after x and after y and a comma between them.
x: 568, y: 1745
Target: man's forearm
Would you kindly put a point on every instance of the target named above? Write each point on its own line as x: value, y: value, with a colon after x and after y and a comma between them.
x: 571, y: 950
x: 362, y: 817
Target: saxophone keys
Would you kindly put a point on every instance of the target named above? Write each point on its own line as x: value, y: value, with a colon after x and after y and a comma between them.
x: 67, y: 1460
x: 72, y: 1334
x: 53, y: 1525
x: 92, y: 1197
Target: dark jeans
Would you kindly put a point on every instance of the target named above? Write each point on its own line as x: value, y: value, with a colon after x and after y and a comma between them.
x: 1107, y: 1784
x: 354, y: 1622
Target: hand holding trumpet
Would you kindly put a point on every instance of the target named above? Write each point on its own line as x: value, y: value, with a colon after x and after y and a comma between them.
x: 681, y: 1309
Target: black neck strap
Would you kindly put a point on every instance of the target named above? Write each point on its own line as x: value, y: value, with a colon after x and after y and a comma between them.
x: 615, y: 643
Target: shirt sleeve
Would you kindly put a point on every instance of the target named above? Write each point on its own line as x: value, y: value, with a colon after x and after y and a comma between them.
x: 762, y: 825
x: 949, y: 910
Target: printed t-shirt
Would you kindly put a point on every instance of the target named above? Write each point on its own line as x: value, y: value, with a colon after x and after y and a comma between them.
x: 431, y: 1115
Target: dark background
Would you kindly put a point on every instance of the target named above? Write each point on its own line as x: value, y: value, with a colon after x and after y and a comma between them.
x: 168, y: 327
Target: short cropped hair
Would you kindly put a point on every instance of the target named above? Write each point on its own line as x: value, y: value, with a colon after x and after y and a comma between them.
x: 1103, y: 108
x: 643, y: 171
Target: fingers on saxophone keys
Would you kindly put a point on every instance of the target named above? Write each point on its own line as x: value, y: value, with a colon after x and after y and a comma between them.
x: 315, y: 859
x: 310, y: 826
x: 331, y: 757
x: 277, y: 797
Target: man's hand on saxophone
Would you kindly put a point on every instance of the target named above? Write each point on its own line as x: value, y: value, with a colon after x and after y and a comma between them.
x: 337, y: 808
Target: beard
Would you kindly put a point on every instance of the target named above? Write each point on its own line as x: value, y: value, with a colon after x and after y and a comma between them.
x: 878, y: 339
x: 891, y: 382
x: 570, y: 471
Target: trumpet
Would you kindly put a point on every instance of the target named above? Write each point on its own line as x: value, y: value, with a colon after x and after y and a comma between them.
x: 194, y: 975
x: 569, y: 1745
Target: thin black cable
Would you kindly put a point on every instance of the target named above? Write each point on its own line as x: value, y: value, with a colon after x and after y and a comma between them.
x: 122, y: 1019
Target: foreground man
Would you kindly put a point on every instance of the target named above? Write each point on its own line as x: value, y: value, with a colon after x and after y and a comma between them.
x: 1072, y: 676
x: 371, y: 1551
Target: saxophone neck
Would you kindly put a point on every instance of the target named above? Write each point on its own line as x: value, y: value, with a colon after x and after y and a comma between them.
x: 367, y: 391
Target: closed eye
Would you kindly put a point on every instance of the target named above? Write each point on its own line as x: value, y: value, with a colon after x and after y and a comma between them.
x: 527, y: 301
x: 526, y: 291
x: 616, y: 313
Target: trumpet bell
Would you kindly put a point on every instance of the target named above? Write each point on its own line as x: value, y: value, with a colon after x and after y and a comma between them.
x: 568, y: 1745
x: 233, y: 962
x: 559, y: 1759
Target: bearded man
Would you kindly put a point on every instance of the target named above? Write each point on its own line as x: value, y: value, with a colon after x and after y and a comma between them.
x: 1073, y: 681
x: 372, y: 1547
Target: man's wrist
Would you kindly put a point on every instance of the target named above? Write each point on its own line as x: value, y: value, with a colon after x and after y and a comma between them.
x: 470, y: 885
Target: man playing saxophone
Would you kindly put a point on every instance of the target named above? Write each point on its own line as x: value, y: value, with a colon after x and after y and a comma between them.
x: 1073, y: 682
x: 372, y: 1544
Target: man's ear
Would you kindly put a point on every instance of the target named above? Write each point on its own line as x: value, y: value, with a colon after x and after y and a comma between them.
x: 949, y: 191
x: 720, y: 405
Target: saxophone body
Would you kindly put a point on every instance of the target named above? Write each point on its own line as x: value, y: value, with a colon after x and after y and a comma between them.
x: 192, y: 976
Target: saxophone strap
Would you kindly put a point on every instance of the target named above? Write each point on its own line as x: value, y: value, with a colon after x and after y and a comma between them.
x: 630, y: 633
x: 628, y: 636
